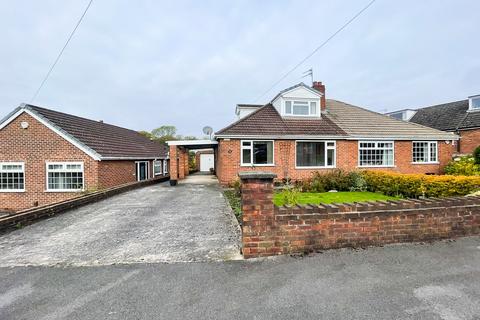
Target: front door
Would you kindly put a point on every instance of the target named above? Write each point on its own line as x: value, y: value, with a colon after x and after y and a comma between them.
x: 142, y: 171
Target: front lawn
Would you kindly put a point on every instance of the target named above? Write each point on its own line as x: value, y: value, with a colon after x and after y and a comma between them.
x: 330, y: 197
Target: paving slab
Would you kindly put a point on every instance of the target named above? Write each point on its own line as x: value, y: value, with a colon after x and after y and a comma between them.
x: 160, y: 223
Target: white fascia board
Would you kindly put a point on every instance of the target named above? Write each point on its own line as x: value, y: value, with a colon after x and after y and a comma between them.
x: 135, y: 158
x: 279, y: 137
x: 12, y: 116
x: 92, y: 153
x: 311, y: 137
x: 420, y: 137
x: 191, y: 142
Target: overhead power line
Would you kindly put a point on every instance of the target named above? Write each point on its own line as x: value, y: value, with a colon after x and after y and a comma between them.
x: 60, y: 54
x: 316, y: 49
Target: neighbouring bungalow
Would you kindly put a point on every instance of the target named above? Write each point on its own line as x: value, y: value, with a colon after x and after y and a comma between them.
x: 461, y: 117
x: 48, y: 156
x: 300, y: 132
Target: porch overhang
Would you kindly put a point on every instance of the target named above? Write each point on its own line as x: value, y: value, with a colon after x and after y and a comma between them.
x: 193, y: 144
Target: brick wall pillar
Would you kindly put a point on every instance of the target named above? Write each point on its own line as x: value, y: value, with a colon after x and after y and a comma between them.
x: 173, y: 164
x: 181, y: 164
x: 258, y: 214
x: 186, y: 166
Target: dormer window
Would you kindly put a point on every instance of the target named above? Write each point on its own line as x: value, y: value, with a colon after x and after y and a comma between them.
x: 301, y: 108
x: 474, y: 103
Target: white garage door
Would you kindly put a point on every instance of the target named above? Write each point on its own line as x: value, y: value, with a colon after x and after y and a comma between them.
x: 206, y: 162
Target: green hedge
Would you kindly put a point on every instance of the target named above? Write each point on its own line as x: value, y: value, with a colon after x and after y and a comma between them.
x: 416, y: 185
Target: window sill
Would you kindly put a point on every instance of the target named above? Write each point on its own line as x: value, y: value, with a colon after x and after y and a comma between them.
x: 65, y: 191
x: 12, y: 191
x: 425, y: 163
x: 376, y: 167
x: 257, y: 165
x: 315, y: 168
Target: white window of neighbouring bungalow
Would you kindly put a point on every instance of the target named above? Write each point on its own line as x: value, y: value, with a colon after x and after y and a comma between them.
x: 315, y: 154
x: 375, y: 153
x: 65, y: 176
x: 474, y: 103
x: 425, y: 152
x: 157, y: 167
x: 165, y: 166
x: 12, y: 177
x: 301, y: 108
x: 256, y: 153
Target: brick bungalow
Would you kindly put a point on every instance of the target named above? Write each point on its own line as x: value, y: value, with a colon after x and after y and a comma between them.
x: 48, y: 156
x: 460, y: 117
x: 300, y: 132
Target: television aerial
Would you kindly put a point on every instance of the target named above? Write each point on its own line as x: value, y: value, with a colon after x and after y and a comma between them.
x: 208, y: 131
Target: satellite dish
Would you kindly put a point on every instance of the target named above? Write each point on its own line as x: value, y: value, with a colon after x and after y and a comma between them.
x: 208, y: 131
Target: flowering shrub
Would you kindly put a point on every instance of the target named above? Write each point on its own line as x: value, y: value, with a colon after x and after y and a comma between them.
x: 464, y: 166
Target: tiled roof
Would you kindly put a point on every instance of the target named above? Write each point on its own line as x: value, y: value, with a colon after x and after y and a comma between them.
x: 360, y: 122
x: 341, y: 120
x: 267, y: 121
x: 107, y: 140
x: 448, y: 117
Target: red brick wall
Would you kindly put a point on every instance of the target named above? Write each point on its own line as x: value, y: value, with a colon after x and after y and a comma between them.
x: 469, y: 140
x: 269, y: 230
x: 346, y: 153
x: 35, y: 146
x: 113, y: 173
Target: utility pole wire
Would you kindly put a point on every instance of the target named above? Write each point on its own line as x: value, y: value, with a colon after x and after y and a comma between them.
x: 61, y: 52
x: 315, y: 51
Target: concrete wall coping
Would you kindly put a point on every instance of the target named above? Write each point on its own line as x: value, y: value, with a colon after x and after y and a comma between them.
x: 257, y: 175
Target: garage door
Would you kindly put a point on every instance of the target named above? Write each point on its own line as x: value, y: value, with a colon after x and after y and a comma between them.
x: 206, y: 162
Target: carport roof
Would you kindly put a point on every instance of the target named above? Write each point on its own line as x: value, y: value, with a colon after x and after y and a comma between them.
x: 193, y: 144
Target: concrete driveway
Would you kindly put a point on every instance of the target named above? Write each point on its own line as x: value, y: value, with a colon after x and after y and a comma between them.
x: 189, y: 222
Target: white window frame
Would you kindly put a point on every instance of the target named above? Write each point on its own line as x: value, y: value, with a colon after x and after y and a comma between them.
x: 470, y: 103
x: 251, y: 164
x: 165, y: 166
x: 64, y: 163
x: 376, y: 142
x: 310, y: 114
x: 14, y: 171
x: 137, y: 170
x: 334, y: 148
x: 429, y: 152
x: 161, y: 167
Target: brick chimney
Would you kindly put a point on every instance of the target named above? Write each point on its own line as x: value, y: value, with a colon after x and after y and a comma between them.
x: 321, y: 87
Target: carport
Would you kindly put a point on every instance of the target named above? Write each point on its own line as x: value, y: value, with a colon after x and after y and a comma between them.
x: 179, y: 151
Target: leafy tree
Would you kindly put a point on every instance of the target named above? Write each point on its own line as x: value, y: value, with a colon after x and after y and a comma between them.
x: 165, y: 133
x: 146, y: 134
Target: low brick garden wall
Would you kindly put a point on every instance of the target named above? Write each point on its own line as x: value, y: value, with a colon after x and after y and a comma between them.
x: 30, y: 215
x: 270, y: 230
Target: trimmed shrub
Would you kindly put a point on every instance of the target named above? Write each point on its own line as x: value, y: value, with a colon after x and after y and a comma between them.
x: 464, y: 166
x: 476, y: 155
x: 333, y: 180
x: 417, y: 185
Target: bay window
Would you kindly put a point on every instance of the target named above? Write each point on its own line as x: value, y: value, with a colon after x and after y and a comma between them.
x: 64, y: 176
x: 256, y: 152
x: 375, y: 154
x: 315, y: 154
x: 12, y: 176
x: 425, y: 152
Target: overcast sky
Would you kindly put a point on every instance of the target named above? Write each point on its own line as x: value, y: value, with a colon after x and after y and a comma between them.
x: 143, y: 64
